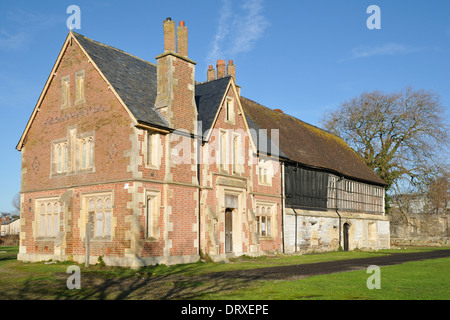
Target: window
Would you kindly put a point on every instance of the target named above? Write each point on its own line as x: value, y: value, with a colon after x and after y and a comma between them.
x: 229, y: 110
x: 152, y: 215
x: 60, y: 156
x: 223, y: 150
x: 235, y: 153
x: 79, y: 83
x: 152, y: 148
x: 49, y: 211
x: 264, y: 172
x: 99, y: 211
x: 87, y: 153
x: 264, y: 220
x: 65, y: 92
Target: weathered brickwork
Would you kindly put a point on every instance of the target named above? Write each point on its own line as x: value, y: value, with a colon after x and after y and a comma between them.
x: 96, y: 179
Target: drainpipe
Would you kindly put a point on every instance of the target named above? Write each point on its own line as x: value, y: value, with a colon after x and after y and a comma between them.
x: 199, y: 147
x: 282, y: 206
x: 87, y: 243
x: 337, y: 212
x: 295, y: 229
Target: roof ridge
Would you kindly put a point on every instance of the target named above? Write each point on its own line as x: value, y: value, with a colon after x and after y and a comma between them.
x: 286, y: 114
x: 114, y: 48
x: 209, y: 81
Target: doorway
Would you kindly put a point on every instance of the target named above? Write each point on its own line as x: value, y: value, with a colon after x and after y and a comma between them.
x: 346, y: 232
x: 228, y: 230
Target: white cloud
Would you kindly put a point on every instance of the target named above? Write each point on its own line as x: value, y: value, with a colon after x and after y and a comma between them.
x: 386, y: 49
x: 22, y: 26
x: 237, y: 31
x: 12, y: 41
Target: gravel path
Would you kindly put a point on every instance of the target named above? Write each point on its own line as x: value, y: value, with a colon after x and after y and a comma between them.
x: 305, y: 270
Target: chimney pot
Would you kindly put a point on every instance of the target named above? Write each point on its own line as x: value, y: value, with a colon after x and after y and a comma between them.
x: 220, y: 68
x: 231, y: 69
x: 182, y: 39
x: 210, y: 74
x: 169, y: 35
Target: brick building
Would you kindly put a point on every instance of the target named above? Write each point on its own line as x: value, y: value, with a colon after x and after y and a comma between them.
x: 140, y: 164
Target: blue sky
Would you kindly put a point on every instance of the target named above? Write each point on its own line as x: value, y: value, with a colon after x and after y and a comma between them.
x: 304, y: 57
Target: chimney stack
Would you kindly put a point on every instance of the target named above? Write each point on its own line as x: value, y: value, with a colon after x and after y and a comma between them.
x: 175, y: 97
x: 182, y: 40
x: 210, y: 74
x: 220, y: 68
x: 231, y: 69
x: 169, y: 35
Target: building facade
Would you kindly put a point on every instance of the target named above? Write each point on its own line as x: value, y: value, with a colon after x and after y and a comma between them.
x: 140, y: 164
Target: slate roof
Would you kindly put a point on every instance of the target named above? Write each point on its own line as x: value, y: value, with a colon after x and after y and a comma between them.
x: 309, y: 145
x: 133, y: 79
x: 208, y: 96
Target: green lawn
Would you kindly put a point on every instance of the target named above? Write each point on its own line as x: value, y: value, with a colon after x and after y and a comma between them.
x: 419, y: 280
x: 428, y: 279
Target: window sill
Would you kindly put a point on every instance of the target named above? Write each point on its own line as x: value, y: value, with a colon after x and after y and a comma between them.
x: 152, y: 166
x: 151, y: 239
x: 45, y: 239
x: 266, y: 238
x: 101, y: 239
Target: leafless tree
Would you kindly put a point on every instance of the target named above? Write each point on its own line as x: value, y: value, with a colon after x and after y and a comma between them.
x: 16, y: 204
x: 439, y: 194
x: 402, y: 136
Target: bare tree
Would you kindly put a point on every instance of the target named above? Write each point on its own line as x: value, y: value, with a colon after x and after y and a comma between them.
x: 439, y: 194
x: 16, y: 204
x: 402, y: 136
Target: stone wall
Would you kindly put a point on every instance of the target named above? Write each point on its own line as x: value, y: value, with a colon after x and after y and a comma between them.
x: 419, y: 229
x: 324, y: 231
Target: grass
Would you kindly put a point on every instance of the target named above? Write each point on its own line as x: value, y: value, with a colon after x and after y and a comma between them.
x: 427, y: 279
x: 419, y: 280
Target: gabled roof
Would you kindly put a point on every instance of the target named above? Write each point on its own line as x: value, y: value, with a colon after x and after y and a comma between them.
x: 133, y: 79
x: 309, y: 145
x: 134, y: 82
x: 208, y: 96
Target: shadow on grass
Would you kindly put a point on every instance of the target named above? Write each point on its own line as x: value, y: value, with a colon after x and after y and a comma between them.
x: 121, y: 286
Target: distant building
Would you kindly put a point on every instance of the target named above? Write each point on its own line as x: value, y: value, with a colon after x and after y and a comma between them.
x: 10, y: 227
